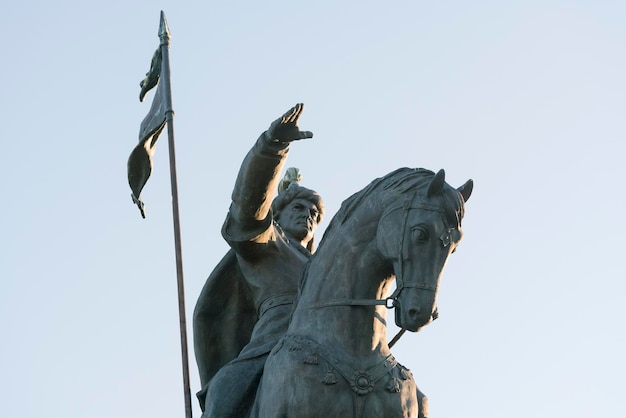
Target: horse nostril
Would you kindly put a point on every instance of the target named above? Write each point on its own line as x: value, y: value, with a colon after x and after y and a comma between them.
x: 414, y: 312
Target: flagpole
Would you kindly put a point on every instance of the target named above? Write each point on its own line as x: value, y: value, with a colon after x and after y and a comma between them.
x: 164, y: 36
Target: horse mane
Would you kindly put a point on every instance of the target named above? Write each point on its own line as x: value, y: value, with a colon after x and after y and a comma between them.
x: 399, y: 182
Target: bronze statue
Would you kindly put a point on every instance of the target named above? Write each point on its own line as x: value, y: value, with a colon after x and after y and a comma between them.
x: 245, y: 306
x: 329, y: 351
x: 334, y: 360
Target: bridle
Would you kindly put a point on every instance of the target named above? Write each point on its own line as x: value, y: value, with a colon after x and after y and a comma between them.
x: 392, y: 301
x: 401, y: 284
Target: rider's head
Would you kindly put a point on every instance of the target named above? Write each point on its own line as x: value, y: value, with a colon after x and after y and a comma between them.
x: 298, y: 211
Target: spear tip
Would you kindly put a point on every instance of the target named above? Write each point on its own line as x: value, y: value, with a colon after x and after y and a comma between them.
x: 164, y: 30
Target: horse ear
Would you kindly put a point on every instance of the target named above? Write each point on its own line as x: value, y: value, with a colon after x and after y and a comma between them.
x: 466, y: 189
x: 436, y: 184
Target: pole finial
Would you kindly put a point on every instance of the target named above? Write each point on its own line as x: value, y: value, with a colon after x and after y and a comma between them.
x: 164, y: 30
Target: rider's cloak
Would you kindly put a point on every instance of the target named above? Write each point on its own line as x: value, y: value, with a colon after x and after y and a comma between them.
x: 223, y: 319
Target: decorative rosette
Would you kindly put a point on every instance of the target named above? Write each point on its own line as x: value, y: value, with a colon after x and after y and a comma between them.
x: 361, y: 383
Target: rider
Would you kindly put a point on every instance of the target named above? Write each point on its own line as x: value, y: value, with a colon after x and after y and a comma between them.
x: 249, y: 297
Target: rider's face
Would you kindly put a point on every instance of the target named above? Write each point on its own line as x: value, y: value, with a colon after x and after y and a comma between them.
x: 299, y: 220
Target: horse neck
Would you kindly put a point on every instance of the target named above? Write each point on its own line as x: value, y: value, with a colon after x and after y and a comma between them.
x: 344, y: 269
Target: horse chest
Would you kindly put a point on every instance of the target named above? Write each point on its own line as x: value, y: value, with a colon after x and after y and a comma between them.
x: 315, y: 382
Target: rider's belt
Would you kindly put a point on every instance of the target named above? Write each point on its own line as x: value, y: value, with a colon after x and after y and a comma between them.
x: 275, y: 301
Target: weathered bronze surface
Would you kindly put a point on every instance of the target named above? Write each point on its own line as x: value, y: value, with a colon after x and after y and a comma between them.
x: 329, y: 355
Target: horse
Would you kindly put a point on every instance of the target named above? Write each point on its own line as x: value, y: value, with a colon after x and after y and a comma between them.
x: 335, y: 359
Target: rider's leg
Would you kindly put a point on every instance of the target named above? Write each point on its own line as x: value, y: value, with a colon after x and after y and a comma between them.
x: 232, y: 390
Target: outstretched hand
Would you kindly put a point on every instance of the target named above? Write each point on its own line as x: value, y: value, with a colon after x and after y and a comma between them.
x: 285, y: 129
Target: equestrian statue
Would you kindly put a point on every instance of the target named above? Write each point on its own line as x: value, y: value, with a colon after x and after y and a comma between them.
x: 283, y: 331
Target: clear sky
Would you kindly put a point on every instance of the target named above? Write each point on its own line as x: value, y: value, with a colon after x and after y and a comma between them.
x: 525, y: 97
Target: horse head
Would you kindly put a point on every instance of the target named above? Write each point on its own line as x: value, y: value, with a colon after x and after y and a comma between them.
x: 416, y: 234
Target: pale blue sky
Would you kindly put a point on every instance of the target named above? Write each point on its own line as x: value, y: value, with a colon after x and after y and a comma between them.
x: 525, y: 97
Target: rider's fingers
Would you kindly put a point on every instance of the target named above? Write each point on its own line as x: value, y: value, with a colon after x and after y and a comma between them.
x: 288, y: 116
x: 297, y: 112
x: 293, y: 114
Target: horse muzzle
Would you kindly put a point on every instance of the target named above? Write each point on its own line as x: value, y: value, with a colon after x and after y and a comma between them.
x: 415, y: 308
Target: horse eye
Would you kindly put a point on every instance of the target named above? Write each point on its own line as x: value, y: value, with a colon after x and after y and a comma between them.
x: 420, y: 235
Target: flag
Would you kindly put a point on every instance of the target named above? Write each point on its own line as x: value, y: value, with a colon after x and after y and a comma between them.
x: 140, y: 160
x: 140, y: 167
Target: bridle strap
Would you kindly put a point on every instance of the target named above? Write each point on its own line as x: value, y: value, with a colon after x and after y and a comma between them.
x: 421, y: 286
x: 388, y: 303
x: 406, y: 206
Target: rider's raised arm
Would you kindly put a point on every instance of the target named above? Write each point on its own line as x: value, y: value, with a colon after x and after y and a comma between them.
x: 258, y: 177
x: 254, y: 190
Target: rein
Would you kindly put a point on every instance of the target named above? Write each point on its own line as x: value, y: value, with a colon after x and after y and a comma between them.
x: 389, y: 303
